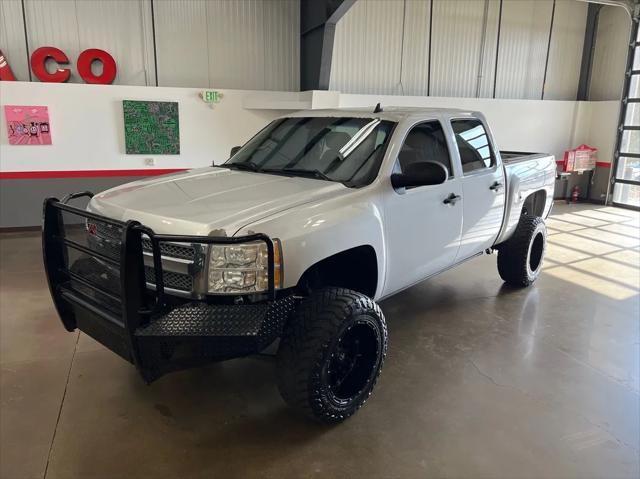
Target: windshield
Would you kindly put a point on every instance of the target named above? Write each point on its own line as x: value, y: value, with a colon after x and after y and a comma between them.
x: 348, y: 150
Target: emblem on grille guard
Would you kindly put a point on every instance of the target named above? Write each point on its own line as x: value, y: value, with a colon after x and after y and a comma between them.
x: 92, y: 229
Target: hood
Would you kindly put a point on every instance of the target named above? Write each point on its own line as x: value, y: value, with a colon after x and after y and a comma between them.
x: 209, y: 200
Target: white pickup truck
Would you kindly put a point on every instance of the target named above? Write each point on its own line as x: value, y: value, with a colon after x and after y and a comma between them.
x: 295, y: 238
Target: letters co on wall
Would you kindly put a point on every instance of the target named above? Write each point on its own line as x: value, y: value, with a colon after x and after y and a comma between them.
x: 84, y: 63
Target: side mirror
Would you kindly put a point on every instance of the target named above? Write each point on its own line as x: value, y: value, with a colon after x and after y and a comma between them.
x: 420, y: 173
x: 235, y: 150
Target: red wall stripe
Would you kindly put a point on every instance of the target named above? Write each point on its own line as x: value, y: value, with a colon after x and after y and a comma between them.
x: 21, y: 175
x: 603, y: 164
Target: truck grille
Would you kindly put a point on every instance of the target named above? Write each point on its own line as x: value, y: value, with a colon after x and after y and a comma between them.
x: 112, y: 236
x: 173, y: 280
x: 108, y: 231
x: 172, y: 250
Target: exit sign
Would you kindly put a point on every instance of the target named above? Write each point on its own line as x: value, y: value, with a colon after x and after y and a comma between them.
x: 211, y: 96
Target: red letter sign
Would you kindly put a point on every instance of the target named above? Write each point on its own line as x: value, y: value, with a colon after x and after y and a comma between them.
x: 38, y: 59
x: 5, y: 70
x: 91, y: 55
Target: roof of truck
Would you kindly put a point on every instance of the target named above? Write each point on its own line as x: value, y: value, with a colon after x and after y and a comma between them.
x: 392, y: 113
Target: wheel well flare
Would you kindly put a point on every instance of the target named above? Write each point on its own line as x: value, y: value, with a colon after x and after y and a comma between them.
x: 355, y: 268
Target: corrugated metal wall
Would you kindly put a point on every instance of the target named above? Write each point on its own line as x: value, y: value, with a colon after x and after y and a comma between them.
x: 249, y: 44
x: 610, y: 56
x: 524, y: 35
x: 402, y: 47
x: 415, y: 54
x: 462, y: 54
x: 182, y: 43
x: 369, y: 39
x: 567, y: 40
x: 252, y: 44
x: 455, y: 50
x: 114, y: 26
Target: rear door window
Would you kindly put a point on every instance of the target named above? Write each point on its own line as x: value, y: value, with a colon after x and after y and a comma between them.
x: 473, y: 145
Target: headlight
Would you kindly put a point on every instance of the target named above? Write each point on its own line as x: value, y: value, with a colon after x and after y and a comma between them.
x: 243, y: 268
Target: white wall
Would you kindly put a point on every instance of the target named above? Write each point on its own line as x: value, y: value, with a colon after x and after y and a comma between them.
x: 383, y: 47
x: 596, y: 127
x: 88, y: 132
x: 248, y: 44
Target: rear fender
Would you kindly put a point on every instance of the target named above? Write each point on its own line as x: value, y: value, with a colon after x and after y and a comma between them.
x: 523, y: 181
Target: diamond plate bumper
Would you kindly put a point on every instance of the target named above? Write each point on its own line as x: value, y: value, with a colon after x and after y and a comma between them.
x: 188, y: 336
x: 198, y: 333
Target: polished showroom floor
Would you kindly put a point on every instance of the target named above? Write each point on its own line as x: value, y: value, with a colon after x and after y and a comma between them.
x: 480, y: 381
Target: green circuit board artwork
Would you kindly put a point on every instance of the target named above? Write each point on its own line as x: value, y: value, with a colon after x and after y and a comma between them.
x: 151, y: 127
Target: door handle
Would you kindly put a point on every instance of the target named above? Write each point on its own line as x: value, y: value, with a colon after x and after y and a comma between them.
x: 451, y: 199
x: 496, y: 186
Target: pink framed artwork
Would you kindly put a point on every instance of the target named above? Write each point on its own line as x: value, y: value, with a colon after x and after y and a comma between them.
x: 28, y: 125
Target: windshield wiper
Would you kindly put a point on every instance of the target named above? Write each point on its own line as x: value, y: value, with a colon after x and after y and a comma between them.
x: 314, y: 173
x: 251, y: 166
x: 244, y: 165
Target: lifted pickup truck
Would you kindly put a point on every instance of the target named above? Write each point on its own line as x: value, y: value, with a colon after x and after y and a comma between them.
x: 295, y: 238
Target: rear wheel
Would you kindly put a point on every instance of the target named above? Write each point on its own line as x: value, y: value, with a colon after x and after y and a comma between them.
x: 520, y: 258
x: 331, y: 354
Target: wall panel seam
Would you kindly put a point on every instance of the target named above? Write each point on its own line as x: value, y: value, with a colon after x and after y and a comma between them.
x: 26, y: 37
x: 495, y: 74
x: 546, y: 63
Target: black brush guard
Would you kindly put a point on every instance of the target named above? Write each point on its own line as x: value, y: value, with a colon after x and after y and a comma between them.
x: 114, y: 305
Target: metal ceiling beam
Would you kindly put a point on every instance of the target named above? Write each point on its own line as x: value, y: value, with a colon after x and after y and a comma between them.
x: 628, y: 5
x: 588, y: 49
x: 318, y: 19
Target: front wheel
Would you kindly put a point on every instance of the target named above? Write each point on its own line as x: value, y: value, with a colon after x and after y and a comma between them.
x: 520, y: 258
x: 331, y: 354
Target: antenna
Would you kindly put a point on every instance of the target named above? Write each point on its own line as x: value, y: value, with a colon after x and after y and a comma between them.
x: 378, y: 108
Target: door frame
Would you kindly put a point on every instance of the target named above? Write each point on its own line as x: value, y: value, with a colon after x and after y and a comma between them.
x: 490, y: 170
x: 389, y: 168
x: 633, y: 51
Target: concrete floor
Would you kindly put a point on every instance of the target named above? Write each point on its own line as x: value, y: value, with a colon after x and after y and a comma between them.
x: 480, y: 381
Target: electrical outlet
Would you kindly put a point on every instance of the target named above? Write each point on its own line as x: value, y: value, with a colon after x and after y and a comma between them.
x: 149, y: 161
